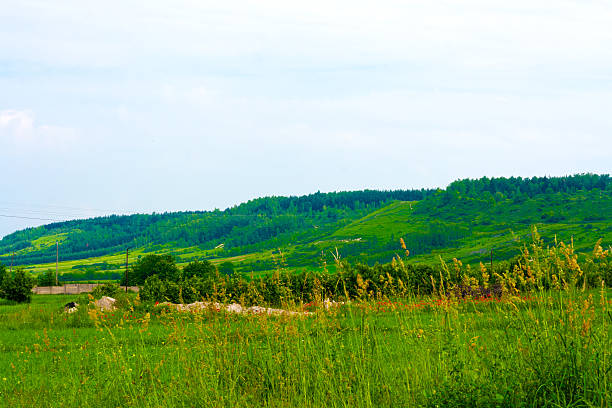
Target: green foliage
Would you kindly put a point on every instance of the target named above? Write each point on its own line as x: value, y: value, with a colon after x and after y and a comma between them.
x: 250, y: 223
x: 153, y: 289
x: 46, y: 278
x: 202, y: 269
x: 466, y: 220
x: 2, y: 275
x: 227, y: 268
x: 161, y: 265
x: 536, y: 268
x: 185, y: 291
x: 17, y: 287
x: 107, y: 289
x: 550, y: 350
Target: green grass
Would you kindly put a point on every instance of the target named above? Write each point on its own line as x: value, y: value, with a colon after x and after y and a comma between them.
x: 43, y: 242
x: 383, y: 223
x: 552, y: 349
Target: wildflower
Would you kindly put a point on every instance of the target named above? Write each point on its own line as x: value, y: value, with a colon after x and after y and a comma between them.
x: 402, y: 243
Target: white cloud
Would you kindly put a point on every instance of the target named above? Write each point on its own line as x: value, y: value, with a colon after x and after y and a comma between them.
x: 16, y: 122
x: 19, y: 131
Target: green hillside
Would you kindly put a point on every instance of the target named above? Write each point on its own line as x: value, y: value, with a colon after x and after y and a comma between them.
x: 466, y: 220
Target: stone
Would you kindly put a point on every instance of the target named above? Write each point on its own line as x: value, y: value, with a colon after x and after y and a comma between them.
x: 106, y: 303
x: 231, y: 308
x: 234, y: 308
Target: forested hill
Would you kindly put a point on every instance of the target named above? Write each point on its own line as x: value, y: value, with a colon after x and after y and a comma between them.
x: 269, y: 219
x: 466, y: 220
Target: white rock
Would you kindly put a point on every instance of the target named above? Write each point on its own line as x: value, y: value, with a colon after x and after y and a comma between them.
x: 234, y: 308
x: 106, y: 303
x: 231, y: 308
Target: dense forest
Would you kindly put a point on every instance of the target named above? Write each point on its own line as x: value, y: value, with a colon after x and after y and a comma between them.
x: 247, y: 224
x: 472, y: 216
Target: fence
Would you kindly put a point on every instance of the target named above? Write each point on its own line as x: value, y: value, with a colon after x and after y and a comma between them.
x: 71, y: 289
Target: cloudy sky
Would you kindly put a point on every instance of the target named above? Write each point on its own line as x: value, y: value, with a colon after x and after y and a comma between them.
x: 125, y: 106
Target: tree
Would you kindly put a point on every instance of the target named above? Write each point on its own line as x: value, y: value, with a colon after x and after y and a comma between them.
x: 161, y: 265
x: 2, y: 275
x: 203, y: 269
x: 46, y: 278
x: 226, y: 268
x: 17, y: 287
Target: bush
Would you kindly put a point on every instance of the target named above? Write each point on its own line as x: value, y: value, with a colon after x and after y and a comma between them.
x: 227, y: 268
x: 2, y: 276
x: 149, y: 265
x: 154, y: 289
x: 46, y: 278
x: 17, y: 287
x: 201, y: 269
x: 107, y: 289
x: 187, y: 291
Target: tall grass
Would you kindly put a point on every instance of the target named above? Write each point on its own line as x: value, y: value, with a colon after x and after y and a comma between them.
x: 544, y: 340
x: 548, y: 349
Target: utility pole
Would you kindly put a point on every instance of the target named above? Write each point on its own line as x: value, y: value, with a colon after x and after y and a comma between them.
x: 12, y: 256
x: 127, y: 254
x: 56, y: 262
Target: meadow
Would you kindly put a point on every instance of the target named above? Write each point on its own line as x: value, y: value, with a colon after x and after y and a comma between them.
x: 545, y: 348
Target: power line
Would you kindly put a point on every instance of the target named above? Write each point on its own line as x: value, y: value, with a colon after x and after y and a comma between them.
x: 31, y: 218
x: 61, y: 207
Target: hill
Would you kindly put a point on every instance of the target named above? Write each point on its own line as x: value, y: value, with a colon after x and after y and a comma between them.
x: 467, y: 220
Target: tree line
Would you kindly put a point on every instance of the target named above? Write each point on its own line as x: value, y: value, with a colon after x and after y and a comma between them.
x: 249, y: 223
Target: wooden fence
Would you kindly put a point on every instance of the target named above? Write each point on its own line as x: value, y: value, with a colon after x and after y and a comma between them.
x: 72, y: 289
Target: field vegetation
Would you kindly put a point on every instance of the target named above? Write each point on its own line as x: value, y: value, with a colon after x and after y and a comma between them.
x: 536, y: 333
x: 545, y: 349
x: 394, y: 301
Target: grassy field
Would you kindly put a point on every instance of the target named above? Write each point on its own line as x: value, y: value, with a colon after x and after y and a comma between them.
x: 538, y: 349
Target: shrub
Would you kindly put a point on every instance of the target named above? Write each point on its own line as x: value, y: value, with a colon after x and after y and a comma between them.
x: 202, y: 269
x: 149, y: 265
x: 46, y: 278
x: 153, y: 289
x: 107, y: 289
x: 2, y: 276
x: 227, y: 268
x: 173, y: 292
x: 17, y: 287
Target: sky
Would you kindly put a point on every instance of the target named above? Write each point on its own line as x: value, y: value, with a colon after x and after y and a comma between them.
x: 124, y: 106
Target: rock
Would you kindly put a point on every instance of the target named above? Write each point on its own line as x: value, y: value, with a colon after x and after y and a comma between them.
x: 231, y: 308
x: 71, y: 307
x: 234, y: 308
x: 197, y: 306
x: 256, y: 309
x: 106, y: 303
